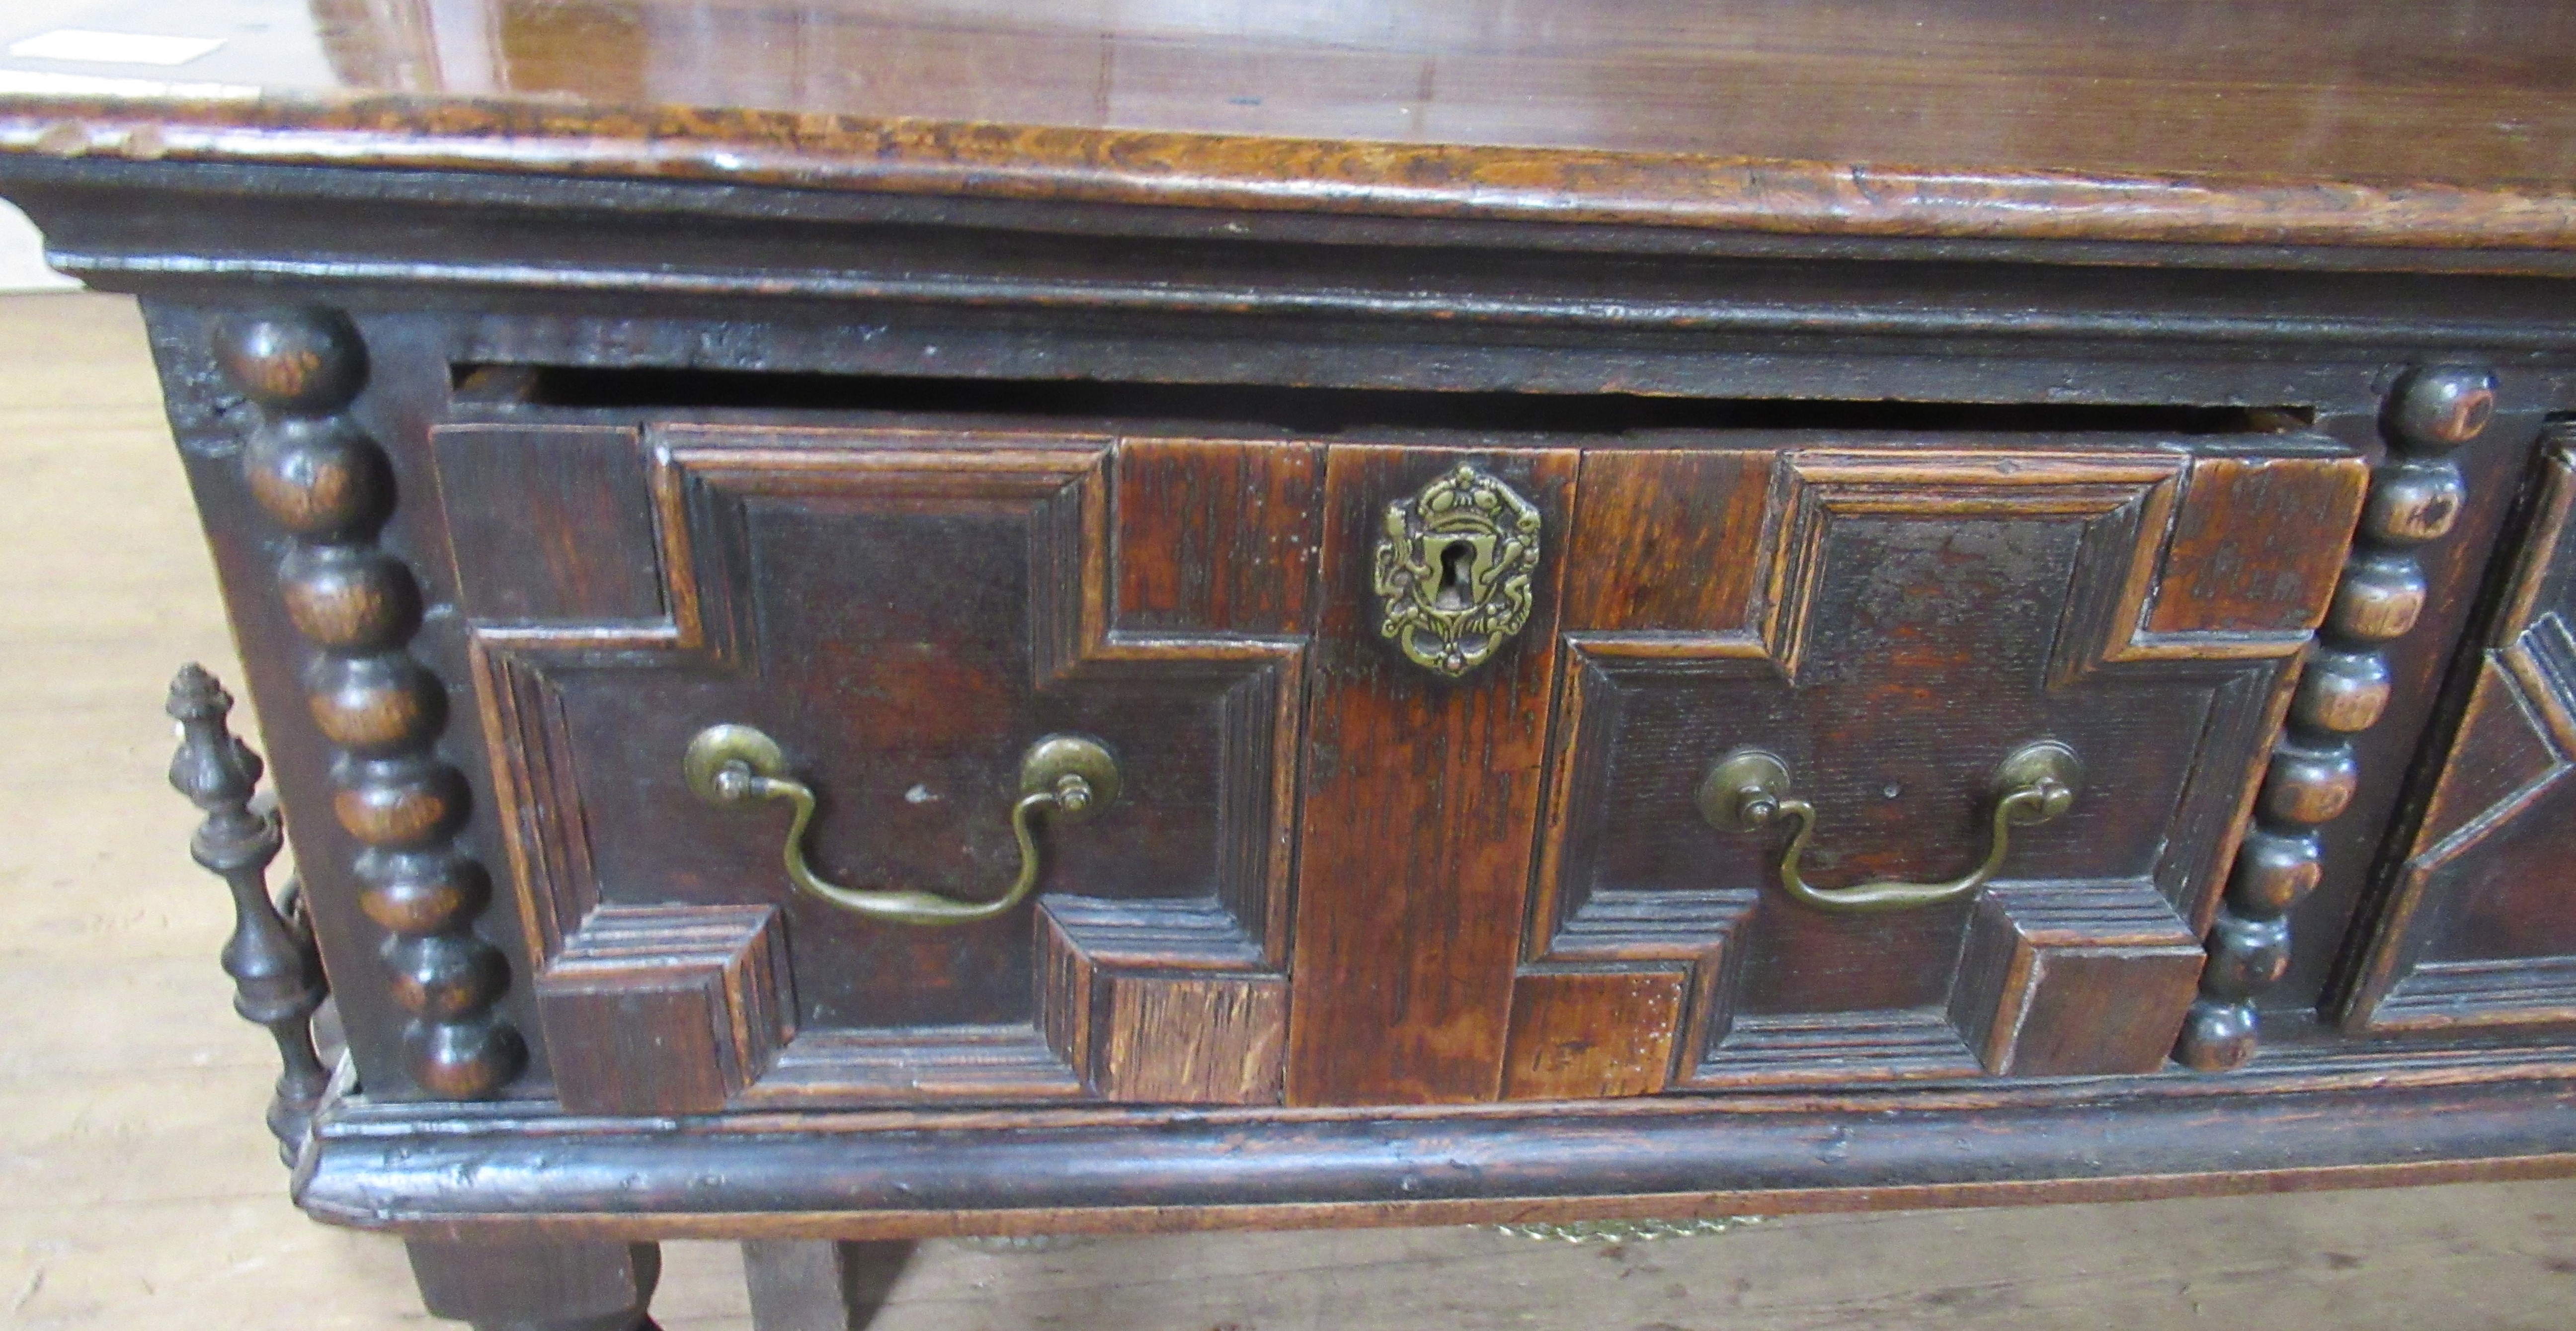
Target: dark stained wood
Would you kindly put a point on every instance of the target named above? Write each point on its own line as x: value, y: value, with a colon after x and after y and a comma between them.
x: 537, y: 1286
x: 2057, y: 984
x: 1719, y: 194
x: 809, y: 1286
x: 934, y: 601
x: 2426, y: 670
x: 1414, y: 859
x: 1892, y: 620
x: 1217, y: 536
x: 990, y: 1065
x: 2478, y: 930
x: 1006, y: 1063
x: 2417, y: 496
x: 1204, y: 1040
x: 1145, y: 1171
x: 666, y: 1009
x: 275, y: 967
x: 1661, y: 535
x: 2253, y: 540
x: 2163, y: 120
x: 549, y: 524
x: 314, y: 471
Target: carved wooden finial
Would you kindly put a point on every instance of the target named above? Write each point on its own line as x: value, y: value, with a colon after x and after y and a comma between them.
x: 276, y: 970
x: 218, y: 773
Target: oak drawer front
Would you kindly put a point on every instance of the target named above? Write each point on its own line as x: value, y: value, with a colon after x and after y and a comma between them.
x: 1505, y: 883
x: 1888, y: 625
x: 904, y: 614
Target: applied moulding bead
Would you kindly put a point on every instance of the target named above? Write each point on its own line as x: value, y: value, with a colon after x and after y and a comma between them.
x: 317, y: 477
x: 2307, y: 783
x: 445, y: 977
x: 2379, y: 599
x: 306, y: 362
x: 2413, y: 500
x: 348, y: 598
x: 374, y: 705
x: 421, y: 892
x: 2340, y: 692
x: 2217, y: 1034
x: 2274, y: 871
x: 2250, y: 955
x: 2436, y: 408
x: 398, y: 803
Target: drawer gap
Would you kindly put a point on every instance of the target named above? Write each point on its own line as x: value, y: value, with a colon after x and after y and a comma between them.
x: 1273, y: 410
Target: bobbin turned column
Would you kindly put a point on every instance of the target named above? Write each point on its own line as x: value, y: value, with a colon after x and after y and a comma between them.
x: 2415, y: 497
x: 316, y: 473
x: 277, y: 974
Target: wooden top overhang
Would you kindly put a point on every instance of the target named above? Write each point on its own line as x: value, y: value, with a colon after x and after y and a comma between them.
x: 2380, y: 123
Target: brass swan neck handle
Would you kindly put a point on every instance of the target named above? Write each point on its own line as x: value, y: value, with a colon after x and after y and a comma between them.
x: 1748, y: 790
x: 1069, y: 777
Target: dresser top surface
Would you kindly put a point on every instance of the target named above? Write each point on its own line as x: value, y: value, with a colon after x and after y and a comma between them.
x: 2290, y: 121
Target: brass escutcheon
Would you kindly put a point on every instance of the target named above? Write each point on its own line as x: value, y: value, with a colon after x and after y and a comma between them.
x: 1069, y: 777
x: 1749, y: 789
x: 1453, y: 570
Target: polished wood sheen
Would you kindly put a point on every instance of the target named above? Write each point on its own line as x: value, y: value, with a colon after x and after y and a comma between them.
x: 2175, y: 390
x: 2478, y: 931
x: 666, y: 1009
x: 1412, y: 878
x: 2406, y: 125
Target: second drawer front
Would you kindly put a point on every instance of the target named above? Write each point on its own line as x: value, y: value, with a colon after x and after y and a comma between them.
x: 1900, y: 639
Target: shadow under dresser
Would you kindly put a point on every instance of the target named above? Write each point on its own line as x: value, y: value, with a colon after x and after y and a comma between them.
x: 1143, y: 626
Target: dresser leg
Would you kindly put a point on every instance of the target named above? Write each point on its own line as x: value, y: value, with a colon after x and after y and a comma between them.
x: 538, y: 1286
x: 799, y: 1286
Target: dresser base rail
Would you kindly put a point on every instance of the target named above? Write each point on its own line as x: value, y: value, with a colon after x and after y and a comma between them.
x: 498, y: 1170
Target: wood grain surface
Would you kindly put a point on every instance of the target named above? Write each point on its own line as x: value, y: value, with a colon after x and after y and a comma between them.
x: 142, y: 1192
x: 2294, y: 121
x: 1414, y: 863
x: 2476, y: 930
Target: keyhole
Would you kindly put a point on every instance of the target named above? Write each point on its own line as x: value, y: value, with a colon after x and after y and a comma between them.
x: 1451, y: 594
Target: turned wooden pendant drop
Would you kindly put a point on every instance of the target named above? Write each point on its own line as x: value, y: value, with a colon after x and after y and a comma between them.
x: 276, y: 970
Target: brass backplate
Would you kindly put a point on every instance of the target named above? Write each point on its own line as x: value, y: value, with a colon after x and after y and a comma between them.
x: 1058, y: 756
x: 2047, y: 765
x: 1453, y: 570
x: 1742, y: 792
x: 717, y: 746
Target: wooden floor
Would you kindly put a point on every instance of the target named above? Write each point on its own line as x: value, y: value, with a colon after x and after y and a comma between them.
x: 138, y: 1190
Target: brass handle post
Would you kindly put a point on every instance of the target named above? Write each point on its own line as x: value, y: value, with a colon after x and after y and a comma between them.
x: 1069, y: 777
x: 1749, y: 789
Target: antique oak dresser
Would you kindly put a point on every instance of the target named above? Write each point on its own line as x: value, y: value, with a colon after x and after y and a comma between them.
x: 878, y: 620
